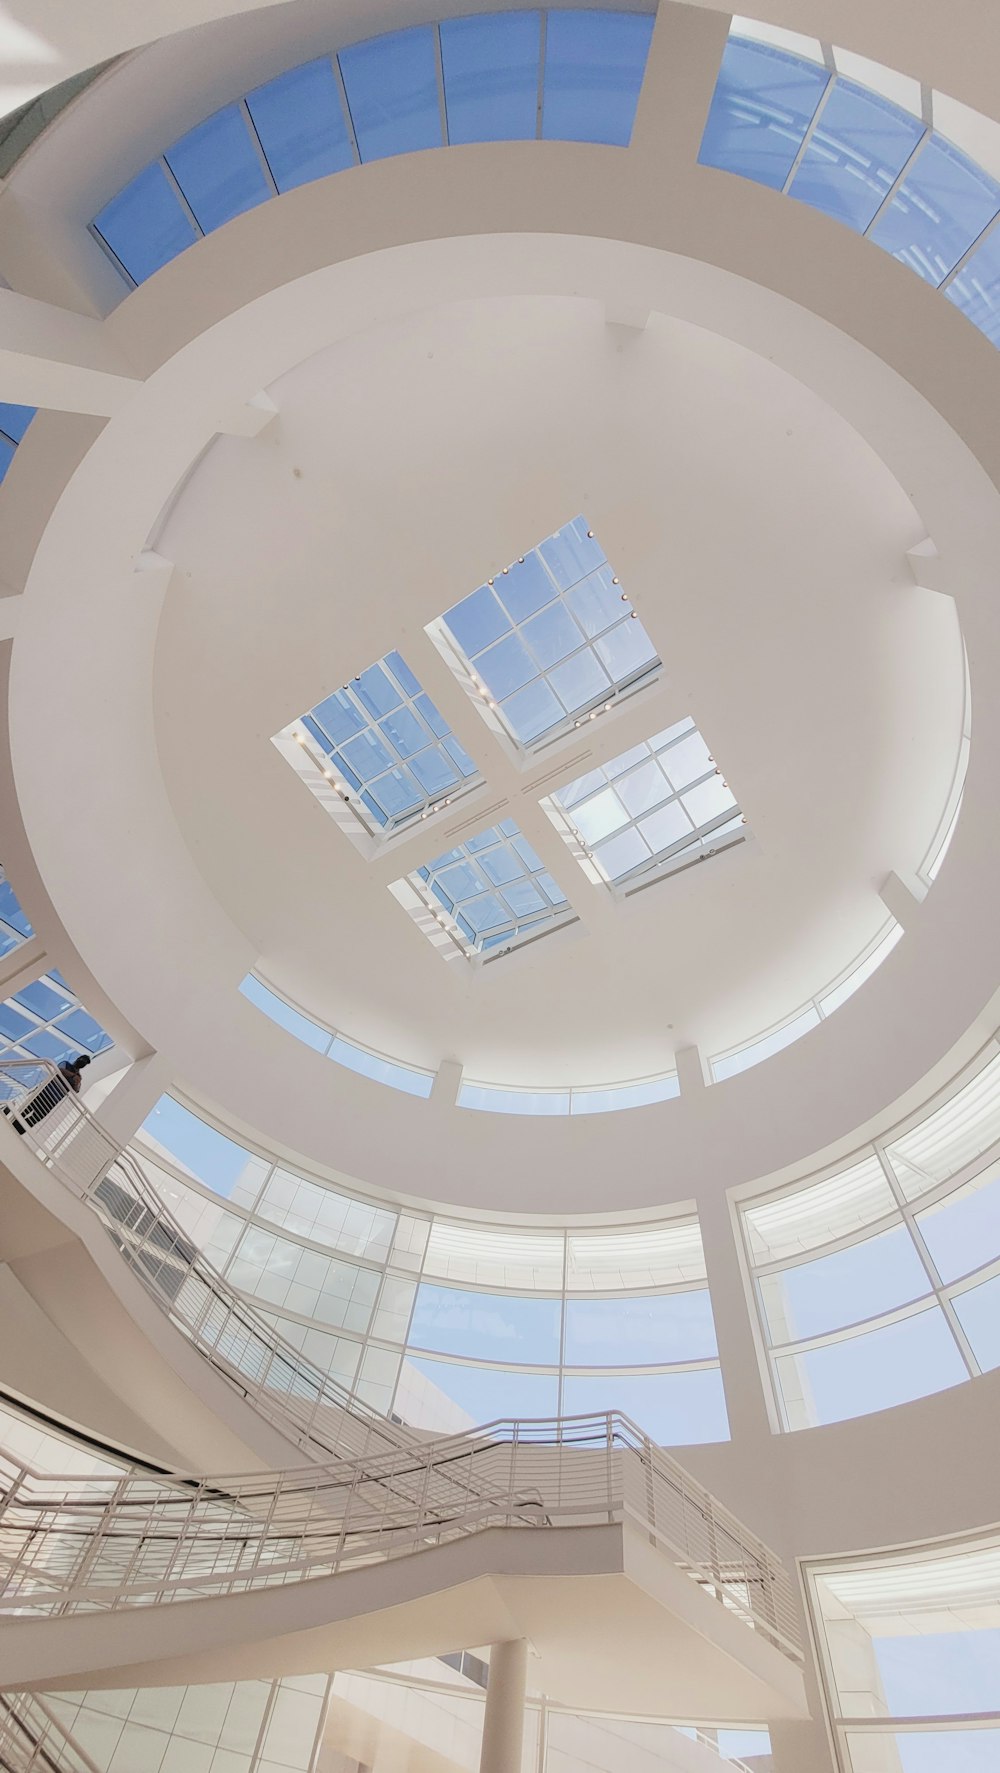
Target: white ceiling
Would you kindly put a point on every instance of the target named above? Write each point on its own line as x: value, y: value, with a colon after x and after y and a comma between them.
x: 763, y: 544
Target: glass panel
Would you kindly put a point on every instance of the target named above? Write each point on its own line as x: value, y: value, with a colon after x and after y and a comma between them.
x: 926, y: 1751
x: 7, y: 450
x: 281, y: 1012
x: 146, y: 224
x: 759, y: 1050
x: 863, y: 1281
x: 488, y: 1257
x: 979, y: 1315
x: 491, y: 76
x: 491, y: 1099
x: 217, y: 166
x: 639, y: 1332
x: 940, y: 1672
x: 674, y: 1409
x: 487, y: 1326
x: 855, y: 154
x: 14, y: 420
x: 963, y: 1231
x: 594, y: 66
x: 620, y: 1260
x: 961, y: 1129
x: 763, y: 104
x: 494, y: 888
x: 807, y: 1218
x: 209, y: 1156
x: 300, y: 121
x: 860, y: 1374
x: 976, y: 289
x: 392, y: 90
x: 618, y: 1096
x: 486, y: 1395
x: 942, y: 206
x: 381, y: 1070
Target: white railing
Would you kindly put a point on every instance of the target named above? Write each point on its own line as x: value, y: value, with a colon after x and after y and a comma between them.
x: 32, y: 1740
x: 68, y: 1544
x: 319, y: 1415
x: 71, y: 1545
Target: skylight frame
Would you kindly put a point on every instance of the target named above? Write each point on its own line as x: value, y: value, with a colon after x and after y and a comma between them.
x: 334, y: 772
x: 469, y: 668
x: 443, y: 913
x: 721, y: 831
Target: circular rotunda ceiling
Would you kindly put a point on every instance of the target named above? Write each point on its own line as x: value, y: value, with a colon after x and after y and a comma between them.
x: 763, y: 546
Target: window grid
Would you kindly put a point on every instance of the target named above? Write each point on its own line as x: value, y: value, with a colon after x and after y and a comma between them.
x: 15, y: 928
x: 366, y: 1296
x: 385, y: 748
x: 47, y: 1021
x: 595, y: 101
x: 649, y: 811
x: 550, y: 642
x: 494, y: 890
x: 904, y: 1212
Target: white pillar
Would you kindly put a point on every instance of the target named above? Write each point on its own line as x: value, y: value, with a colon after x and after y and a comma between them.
x: 503, y: 1724
x: 133, y: 1097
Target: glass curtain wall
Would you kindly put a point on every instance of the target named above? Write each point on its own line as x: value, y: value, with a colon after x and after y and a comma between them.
x: 880, y: 1282
x: 445, y: 1324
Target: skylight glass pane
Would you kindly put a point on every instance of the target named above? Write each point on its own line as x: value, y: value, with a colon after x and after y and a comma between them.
x: 383, y: 746
x: 860, y: 1374
x: 487, y: 1326
x: 146, y: 225
x: 14, y: 420
x: 14, y: 925
x: 657, y: 1330
x: 552, y: 637
x: 941, y: 208
x: 45, y: 1021
x: 857, y: 151
x: 491, y: 76
x: 300, y: 121
x: 392, y: 90
x: 976, y: 289
x: 594, y: 67
x: 865, y: 1280
x: 652, y: 807
x: 380, y: 1069
x: 764, y: 102
x: 494, y: 890
x: 218, y: 168
x: 674, y: 1409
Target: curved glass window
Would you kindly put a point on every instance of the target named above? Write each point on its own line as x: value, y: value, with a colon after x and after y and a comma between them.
x: 881, y: 1283
x: 14, y: 421
x: 446, y: 1324
x: 14, y: 925
x: 337, y: 1047
x: 568, y: 75
x: 910, y: 1656
x: 870, y: 158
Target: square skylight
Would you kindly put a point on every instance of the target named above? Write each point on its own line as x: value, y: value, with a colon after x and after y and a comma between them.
x: 380, y: 747
x: 649, y: 811
x: 550, y: 640
x: 490, y: 892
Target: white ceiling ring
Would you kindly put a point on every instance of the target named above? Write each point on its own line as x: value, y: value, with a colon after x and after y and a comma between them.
x: 169, y: 422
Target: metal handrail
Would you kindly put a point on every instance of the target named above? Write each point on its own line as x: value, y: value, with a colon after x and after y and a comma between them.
x: 32, y: 1740
x: 69, y: 1544
x: 319, y: 1414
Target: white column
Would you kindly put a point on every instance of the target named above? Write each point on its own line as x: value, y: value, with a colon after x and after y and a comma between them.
x: 503, y: 1724
x: 22, y: 966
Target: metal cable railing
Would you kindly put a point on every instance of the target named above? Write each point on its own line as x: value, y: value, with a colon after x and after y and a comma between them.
x: 321, y: 1416
x: 32, y: 1740
x: 68, y: 1545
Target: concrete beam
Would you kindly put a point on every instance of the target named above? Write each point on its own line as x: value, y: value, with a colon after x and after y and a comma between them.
x: 928, y: 569
x: 902, y: 894
x: 53, y: 357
